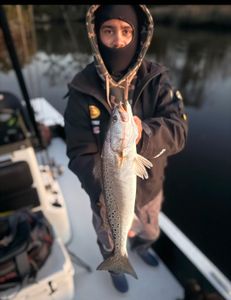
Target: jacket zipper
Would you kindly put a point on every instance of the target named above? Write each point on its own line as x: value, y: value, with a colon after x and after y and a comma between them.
x: 145, y: 84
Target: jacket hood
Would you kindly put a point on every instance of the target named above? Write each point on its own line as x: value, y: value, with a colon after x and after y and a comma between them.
x: 120, y: 88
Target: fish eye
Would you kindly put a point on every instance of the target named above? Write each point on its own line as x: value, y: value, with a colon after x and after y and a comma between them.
x: 114, y: 118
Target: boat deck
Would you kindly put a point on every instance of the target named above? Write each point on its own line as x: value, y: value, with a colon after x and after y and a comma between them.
x: 153, y: 283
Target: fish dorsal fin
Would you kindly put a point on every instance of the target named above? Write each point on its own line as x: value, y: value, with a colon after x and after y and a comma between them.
x: 140, y: 165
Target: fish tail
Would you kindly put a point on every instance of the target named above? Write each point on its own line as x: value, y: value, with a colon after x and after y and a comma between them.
x: 117, y: 264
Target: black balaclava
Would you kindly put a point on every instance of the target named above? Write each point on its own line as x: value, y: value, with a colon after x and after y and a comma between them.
x: 117, y: 60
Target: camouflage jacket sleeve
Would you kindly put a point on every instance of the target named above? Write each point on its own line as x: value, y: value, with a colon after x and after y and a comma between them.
x: 81, y: 145
x: 165, y: 132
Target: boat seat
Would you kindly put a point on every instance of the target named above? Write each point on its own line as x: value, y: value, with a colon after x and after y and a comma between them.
x: 16, y: 186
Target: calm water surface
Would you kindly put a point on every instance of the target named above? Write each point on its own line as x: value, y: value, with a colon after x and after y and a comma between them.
x: 198, y: 188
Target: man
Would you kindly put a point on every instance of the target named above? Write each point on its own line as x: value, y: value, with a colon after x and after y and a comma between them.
x: 120, y: 36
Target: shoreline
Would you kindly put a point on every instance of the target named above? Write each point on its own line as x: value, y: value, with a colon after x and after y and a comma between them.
x: 208, y: 17
x: 189, y: 16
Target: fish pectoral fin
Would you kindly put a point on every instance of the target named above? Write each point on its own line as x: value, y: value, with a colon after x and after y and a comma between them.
x: 140, y: 165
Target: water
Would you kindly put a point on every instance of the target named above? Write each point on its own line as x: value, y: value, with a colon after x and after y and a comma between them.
x: 197, y: 187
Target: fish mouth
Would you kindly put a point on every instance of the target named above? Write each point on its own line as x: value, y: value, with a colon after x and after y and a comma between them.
x: 124, y: 116
x: 123, y: 107
x: 123, y: 112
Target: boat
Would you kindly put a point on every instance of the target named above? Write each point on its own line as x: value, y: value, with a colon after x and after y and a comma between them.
x: 67, y: 207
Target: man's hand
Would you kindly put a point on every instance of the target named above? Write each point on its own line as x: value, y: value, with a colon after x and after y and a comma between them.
x: 140, y: 128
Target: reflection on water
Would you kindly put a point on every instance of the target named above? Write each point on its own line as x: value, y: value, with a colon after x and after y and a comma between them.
x: 195, y: 58
x: 198, y: 190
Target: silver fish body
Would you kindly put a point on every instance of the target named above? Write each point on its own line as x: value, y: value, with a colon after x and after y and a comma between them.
x: 120, y: 165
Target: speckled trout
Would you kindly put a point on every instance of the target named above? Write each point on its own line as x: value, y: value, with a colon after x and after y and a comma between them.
x: 120, y: 166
